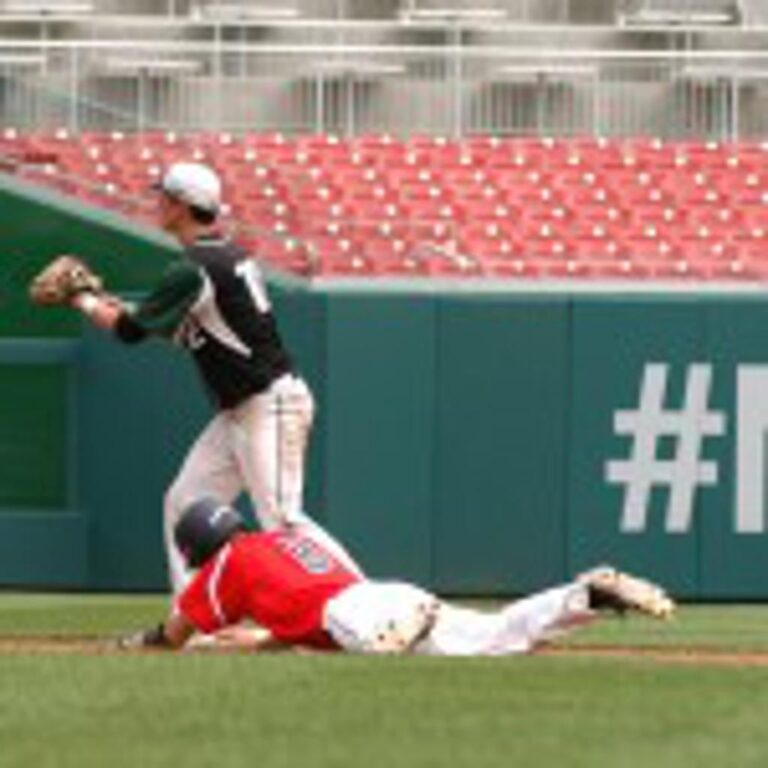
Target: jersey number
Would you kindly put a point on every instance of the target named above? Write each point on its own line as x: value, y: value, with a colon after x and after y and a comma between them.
x: 307, y: 554
x: 249, y: 273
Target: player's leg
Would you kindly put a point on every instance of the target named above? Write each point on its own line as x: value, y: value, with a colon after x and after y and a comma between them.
x: 209, y: 469
x: 269, y: 437
x: 517, y: 628
x: 269, y: 434
x: 393, y: 617
x: 523, y: 625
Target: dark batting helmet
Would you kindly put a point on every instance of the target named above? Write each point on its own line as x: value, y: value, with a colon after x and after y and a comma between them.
x: 204, y: 528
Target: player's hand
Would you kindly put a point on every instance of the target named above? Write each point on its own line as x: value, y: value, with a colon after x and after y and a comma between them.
x: 132, y: 642
x: 146, y: 638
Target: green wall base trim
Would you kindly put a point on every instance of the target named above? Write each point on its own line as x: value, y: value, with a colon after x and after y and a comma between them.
x: 38, y: 351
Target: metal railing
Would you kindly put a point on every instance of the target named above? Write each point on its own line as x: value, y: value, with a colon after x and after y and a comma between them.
x: 539, y: 11
x: 454, y: 89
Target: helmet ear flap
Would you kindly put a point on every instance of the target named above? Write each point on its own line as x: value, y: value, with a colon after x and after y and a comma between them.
x: 187, y: 555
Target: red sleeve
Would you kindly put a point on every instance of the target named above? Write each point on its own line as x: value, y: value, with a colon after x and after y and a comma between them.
x: 208, y: 600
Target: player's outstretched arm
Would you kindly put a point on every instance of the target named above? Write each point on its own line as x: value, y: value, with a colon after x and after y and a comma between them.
x: 177, y: 633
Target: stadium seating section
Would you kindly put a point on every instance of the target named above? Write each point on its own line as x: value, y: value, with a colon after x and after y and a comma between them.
x: 483, y: 206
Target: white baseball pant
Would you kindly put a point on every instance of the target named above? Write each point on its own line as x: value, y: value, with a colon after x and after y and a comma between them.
x: 362, y: 612
x: 258, y: 446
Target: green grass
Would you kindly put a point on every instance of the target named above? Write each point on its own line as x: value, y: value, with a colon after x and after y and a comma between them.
x: 63, y: 614
x: 740, y: 628
x: 328, y: 711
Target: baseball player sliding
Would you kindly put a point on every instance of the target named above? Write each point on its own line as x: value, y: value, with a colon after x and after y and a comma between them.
x: 296, y: 588
x: 213, y: 302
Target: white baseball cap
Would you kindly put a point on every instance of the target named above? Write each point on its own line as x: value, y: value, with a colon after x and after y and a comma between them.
x: 194, y: 184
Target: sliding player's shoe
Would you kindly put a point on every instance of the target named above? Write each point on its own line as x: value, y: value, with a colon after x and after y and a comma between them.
x: 620, y: 592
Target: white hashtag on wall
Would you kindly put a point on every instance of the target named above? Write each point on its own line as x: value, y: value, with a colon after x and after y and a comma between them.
x: 685, y: 471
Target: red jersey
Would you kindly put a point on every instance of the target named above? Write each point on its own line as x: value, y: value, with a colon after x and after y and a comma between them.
x: 280, y: 579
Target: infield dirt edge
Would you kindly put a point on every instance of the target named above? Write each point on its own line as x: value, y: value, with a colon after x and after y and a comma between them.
x: 87, y: 645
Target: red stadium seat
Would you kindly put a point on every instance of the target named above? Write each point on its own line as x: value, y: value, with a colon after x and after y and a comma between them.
x: 595, y: 249
x: 616, y: 268
x: 658, y: 215
x: 601, y: 214
x: 485, y: 247
x: 560, y: 266
x: 515, y: 267
x: 591, y: 196
x: 348, y: 264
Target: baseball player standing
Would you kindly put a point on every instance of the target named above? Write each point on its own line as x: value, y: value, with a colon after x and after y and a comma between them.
x: 214, y: 304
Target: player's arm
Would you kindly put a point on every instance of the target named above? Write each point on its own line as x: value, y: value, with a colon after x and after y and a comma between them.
x: 159, y: 314
x: 177, y: 632
x: 103, y: 310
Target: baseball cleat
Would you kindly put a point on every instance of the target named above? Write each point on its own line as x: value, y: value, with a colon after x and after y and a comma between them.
x: 620, y: 592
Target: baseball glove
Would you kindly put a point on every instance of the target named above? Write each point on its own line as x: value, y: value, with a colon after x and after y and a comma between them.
x: 62, y: 279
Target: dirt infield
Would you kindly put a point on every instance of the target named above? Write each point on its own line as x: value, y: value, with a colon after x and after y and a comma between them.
x: 57, y: 644
x: 85, y: 646
x: 100, y: 646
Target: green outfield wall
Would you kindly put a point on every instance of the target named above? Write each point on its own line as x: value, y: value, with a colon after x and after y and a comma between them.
x: 504, y: 441
x: 50, y: 529
x: 476, y: 441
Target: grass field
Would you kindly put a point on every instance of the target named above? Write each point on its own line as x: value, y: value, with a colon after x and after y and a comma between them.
x: 579, y: 709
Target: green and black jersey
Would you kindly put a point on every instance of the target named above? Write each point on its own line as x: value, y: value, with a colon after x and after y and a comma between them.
x: 213, y: 303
